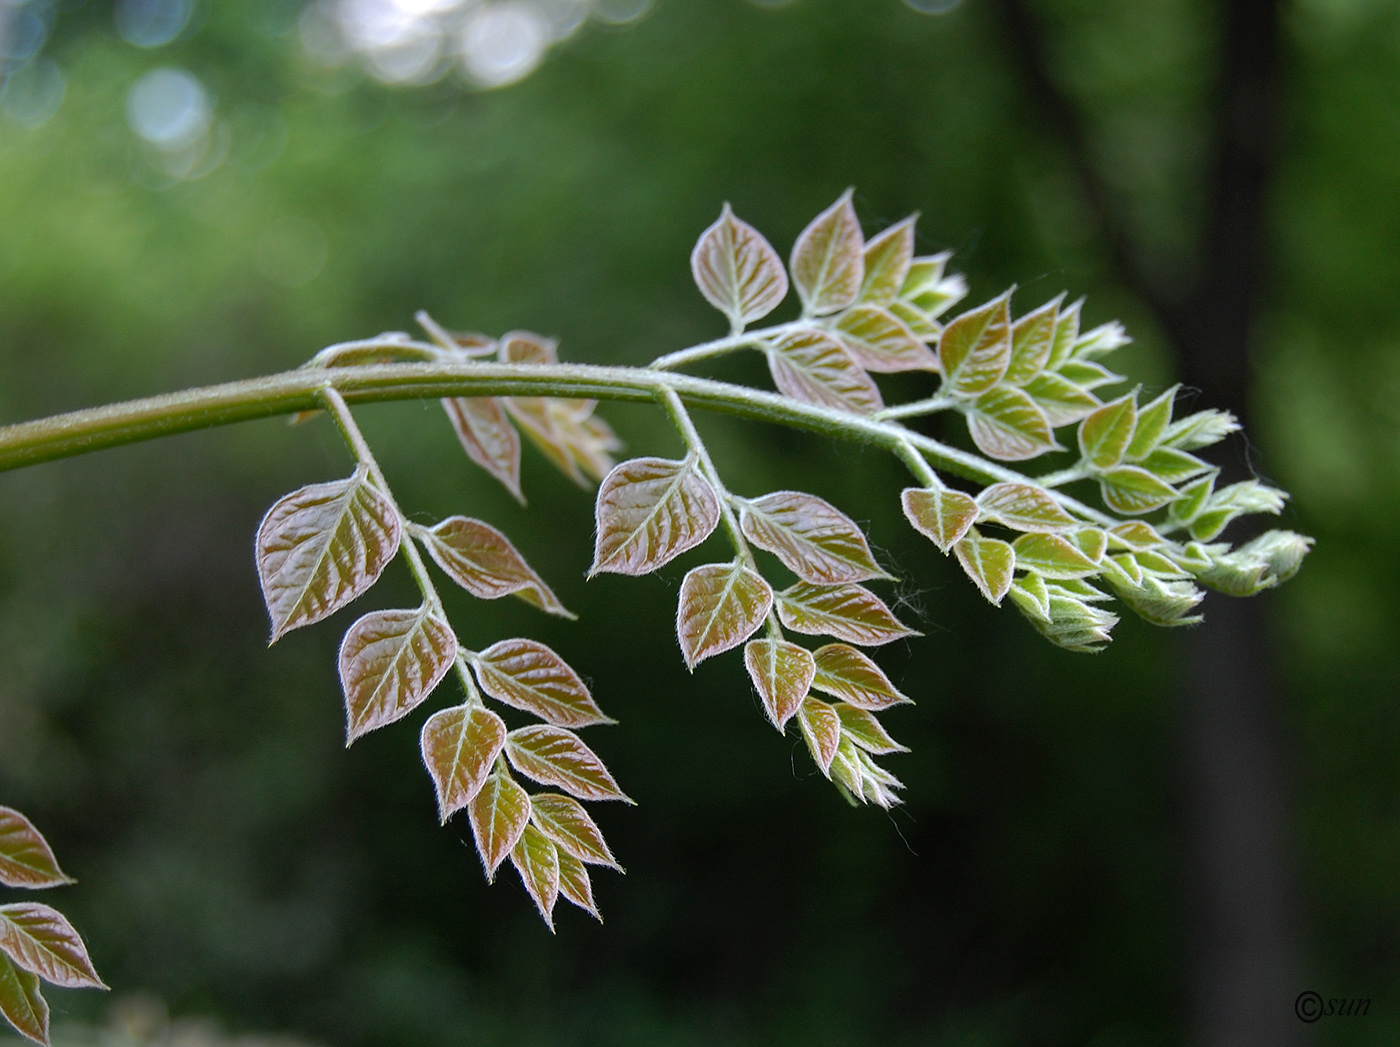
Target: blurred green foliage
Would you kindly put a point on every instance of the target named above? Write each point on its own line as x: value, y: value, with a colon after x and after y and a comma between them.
x: 236, y: 862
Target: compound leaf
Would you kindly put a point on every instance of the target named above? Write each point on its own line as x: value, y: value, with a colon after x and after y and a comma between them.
x: 812, y: 366
x: 499, y: 813
x: 527, y: 675
x: 574, y: 883
x: 25, y: 857
x: 483, y: 561
x: 814, y: 540
x: 988, y: 562
x: 782, y: 674
x: 976, y: 347
x: 389, y: 662
x: 1006, y: 423
x: 21, y: 1002
x: 649, y: 511
x: 40, y: 940
x: 537, y: 861
x: 563, y: 820
x: 737, y: 270
x: 861, y: 727
x: 460, y: 746
x: 848, y: 612
x: 828, y: 260
x: 488, y: 438
x: 879, y: 341
x: 721, y: 606
x: 1023, y: 507
x: 553, y: 756
x: 942, y: 515
x: 822, y: 729
x: 848, y: 674
x: 322, y: 546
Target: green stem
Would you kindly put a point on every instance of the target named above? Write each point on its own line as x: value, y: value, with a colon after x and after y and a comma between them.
x: 1063, y: 476
x: 918, y: 466
x: 720, y: 347
x: 914, y: 408
x: 696, y: 446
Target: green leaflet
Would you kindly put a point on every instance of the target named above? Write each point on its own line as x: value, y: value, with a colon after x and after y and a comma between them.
x: 1104, y: 435
x: 1130, y: 489
x: 564, y: 821
x: 575, y: 884
x: 537, y: 861
x: 1006, y: 424
x: 846, y: 673
x: 1051, y: 556
x: 975, y: 348
x: 867, y: 732
x: 879, y: 341
x: 1023, y: 507
x: 25, y: 857
x: 1032, y: 338
x: 821, y: 727
x: 1151, y: 425
x: 941, y: 515
x: 989, y: 563
x: 888, y: 258
x: 499, y: 813
x: 1062, y: 402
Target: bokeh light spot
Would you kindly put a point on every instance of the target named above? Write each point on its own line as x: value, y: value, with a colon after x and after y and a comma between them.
x: 32, y: 93
x: 503, y: 42
x: 152, y: 23
x: 168, y: 108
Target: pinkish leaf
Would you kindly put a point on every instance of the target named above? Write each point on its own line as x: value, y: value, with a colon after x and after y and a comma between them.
x: 976, y: 348
x: 567, y: 433
x: 813, y: 539
x: 389, y: 662
x: 526, y: 347
x: 782, y: 675
x: 737, y: 270
x: 942, y: 515
x: 553, y: 756
x: 21, y: 1002
x: 887, y: 260
x: 989, y: 563
x: 25, y: 857
x: 861, y: 727
x: 828, y: 260
x: 847, y: 612
x: 529, y: 676
x: 40, y: 940
x: 574, y: 883
x: 321, y: 547
x: 460, y: 746
x: 1023, y: 507
x: 814, y: 367
x: 848, y: 674
x: 564, y: 821
x: 721, y: 606
x: 537, y: 861
x: 483, y: 561
x: 879, y: 341
x: 821, y: 727
x: 1005, y: 423
x: 488, y: 438
x: 649, y: 511
x: 499, y: 813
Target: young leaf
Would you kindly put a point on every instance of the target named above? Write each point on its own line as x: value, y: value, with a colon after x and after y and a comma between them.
x: 848, y: 674
x: 40, y: 940
x: 483, y: 561
x: 1023, y: 507
x: 1066, y: 333
x: 460, y: 746
x: 928, y: 289
x: 1200, y: 430
x: 989, y: 563
x: 976, y: 347
x: 1151, y: 424
x: 822, y: 729
x: 887, y: 261
x: 566, y: 433
x: 920, y: 324
x: 814, y: 540
x: 1031, y: 595
x: 649, y: 511
x: 322, y: 546
x: 1088, y: 375
x: 537, y: 861
x: 1131, y: 490
x: 1006, y: 423
x: 25, y: 858
x: 879, y: 341
x: 564, y: 821
x: 737, y: 270
x: 1172, y: 465
x: 574, y: 883
x: 1051, y: 556
x: 1105, y: 434
x: 1136, y: 535
x: 527, y: 675
x: 526, y: 347
x: 1062, y: 401
x: 847, y: 612
x: 391, y: 661
x: 488, y: 438
x: 22, y: 1004
x: 782, y: 674
x: 1091, y: 541
x: 942, y: 515
x: 862, y: 728
x: 721, y: 606
x: 553, y: 756
x: 876, y: 782
x: 1102, y: 339
x: 1032, y: 338
x: 828, y: 260
x: 499, y: 813
x: 814, y: 367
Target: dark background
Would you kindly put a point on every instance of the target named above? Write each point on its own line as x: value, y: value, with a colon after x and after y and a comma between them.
x: 1164, y: 843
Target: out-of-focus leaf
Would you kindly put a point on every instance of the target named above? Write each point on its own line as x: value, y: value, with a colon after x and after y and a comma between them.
x: 1130, y: 489
x: 1091, y: 541
x: 460, y: 746
x: 389, y: 662
x: 721, y: 606
x: 929, y: 288
x: 1136, y: 535
x: 1062, y: 401
x: 563, y: 820
x: 1172, y: 465
x: 1032, y: 338
x: 782, y: 674
x: 1052, y: 556
x: 553, y: 756
x: 879, y: 341
x: 828, y: 260
x: 322, y: 546
x: 649, y: 511
x: 25, y: 857
x: 527, y: 675
x: 499, y: 812
x: 1072, y: 623
x: 1023, y: 507
x: 814, y: 540
x: 40, y: 940
x: 989, y: 563
x: 1102, y: 339
x: 943, y: 515
x: 848, y: 674
x: 976, y: 347
x: 887, y: 260
x: 1005, y: 423
x: 1152, y: 420
x: 920, y: 324
x: 812, y: 366
x: 483, y: 561
x: 1104, y: 435
x: 537, y: 861
x: 862, y: 728
x: 847, y: 612
x: 22, y: 1004
x: 1066, y: 333
x: 821, y: 727
x: 488, y: 438
x: 737, y: 270
x: 575, y: 884
x: 526, y: 347
x: 567, y: 433
x: 1200, y: 430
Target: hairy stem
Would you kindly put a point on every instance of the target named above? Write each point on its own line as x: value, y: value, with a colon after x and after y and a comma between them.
x: 721, y: 346
x: 914, y: 408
